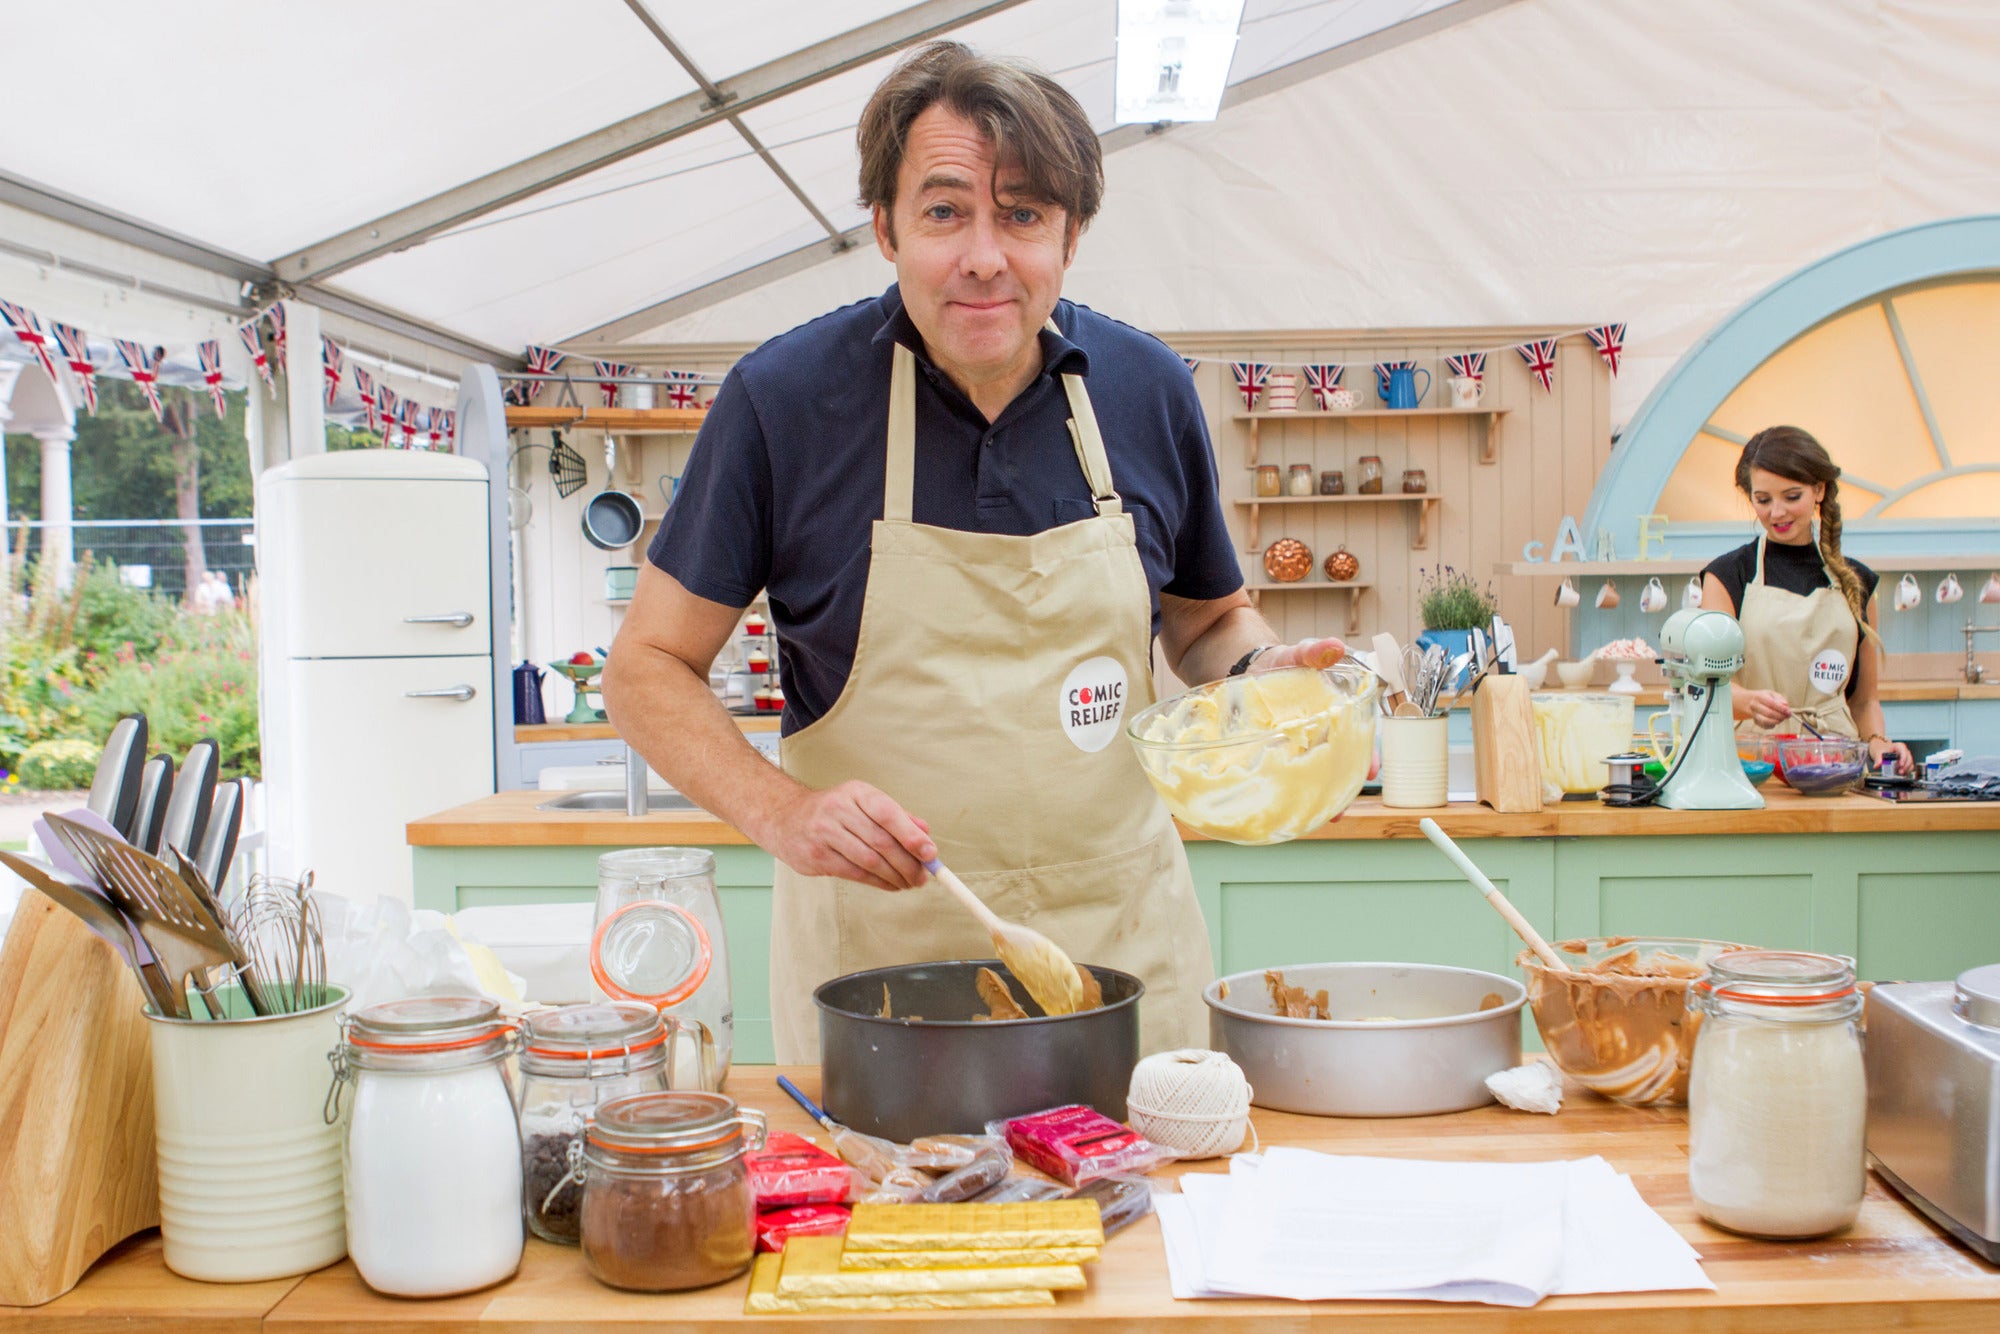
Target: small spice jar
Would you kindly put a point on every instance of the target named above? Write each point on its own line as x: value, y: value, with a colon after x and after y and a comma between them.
x: 1269, y: 481
x: 667, y: 1203
x: 1370, y: 469
x: 1777, y: 1097
x: 433, y: 1150
x: 1414, y: 482
x: 1331, y: 483
x: 1300, y: 480
x: 572, y: 1060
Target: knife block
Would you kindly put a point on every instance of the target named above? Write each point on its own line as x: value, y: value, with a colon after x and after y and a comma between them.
x: 78, y: 1172
x: 1506, y: 760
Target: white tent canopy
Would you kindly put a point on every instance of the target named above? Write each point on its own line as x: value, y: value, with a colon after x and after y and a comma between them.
x: 479, y: 177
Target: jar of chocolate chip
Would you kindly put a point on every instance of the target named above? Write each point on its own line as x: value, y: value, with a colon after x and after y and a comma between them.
x: 667, y: 1203
x: 1331, y: 483
x: 573, y: 1060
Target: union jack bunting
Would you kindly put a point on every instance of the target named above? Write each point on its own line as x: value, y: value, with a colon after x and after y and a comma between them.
x: 445, y: 420
x: 364, y: 385
x: 248, y: 333
x: 1382, y: 369
x: 681, y: 392
x: 1609, y: 340
x: 1192, y: 362
x: 1468, y: 365
x: 210, y: 354
x: 1323, y: 379
x: 76, y: 351
x: 331, y: 360
x: 434, y: 425
x: 541, y: 361
x: 407, y: 412
x: 29, y: 330
x: 1251, y: 377
x: 143, y: 366
x: 1541, y: 359
x: 385, y: 407
x: 608, y: 375
x: 277, y: 314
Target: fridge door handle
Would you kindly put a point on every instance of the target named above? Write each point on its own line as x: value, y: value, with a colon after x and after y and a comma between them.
x: 460, y: 693
x: 461, y: 619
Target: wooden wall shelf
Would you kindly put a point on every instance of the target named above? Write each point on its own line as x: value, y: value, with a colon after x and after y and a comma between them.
x: 1613, y: 568
x: 618, y: 421
x: 1425, y: 502
x: 1486, y: 423
x: 1352, y: 588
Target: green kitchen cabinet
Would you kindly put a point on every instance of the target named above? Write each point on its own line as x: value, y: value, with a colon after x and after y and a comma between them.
x: 1905, y: 905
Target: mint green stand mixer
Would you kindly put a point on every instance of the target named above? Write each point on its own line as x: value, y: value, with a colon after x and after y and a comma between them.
x: 1700, y: 651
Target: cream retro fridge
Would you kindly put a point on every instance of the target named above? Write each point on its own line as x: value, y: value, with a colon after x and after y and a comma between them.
x: 377, y: 646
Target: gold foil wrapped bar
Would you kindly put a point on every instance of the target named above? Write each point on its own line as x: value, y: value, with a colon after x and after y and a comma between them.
x: 975, y: 1227
x: 812, y: 1269
x: 1029, y: 1255
x: 765, y: 1300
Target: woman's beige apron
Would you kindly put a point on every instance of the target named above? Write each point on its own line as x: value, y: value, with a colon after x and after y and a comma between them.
x: 1803, y: 647
x: 991, y: 682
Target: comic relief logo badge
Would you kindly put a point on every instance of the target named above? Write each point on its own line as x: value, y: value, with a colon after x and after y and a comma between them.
x: 1093, y: 703
x: 1829, y: 670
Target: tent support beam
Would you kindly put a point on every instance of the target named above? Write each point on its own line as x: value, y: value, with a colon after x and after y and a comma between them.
x: 718, y: 97
x: 635, y: 134
x: 48, y: 202
x: 625, y: 327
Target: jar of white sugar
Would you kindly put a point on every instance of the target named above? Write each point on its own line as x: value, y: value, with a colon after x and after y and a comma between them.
x: 433, y: 1157
x: 1777, y: 1101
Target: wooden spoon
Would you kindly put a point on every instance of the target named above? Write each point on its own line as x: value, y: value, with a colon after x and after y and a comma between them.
x: 1389, y: 666
x: 1037, y: 962
x: 1522, y: 927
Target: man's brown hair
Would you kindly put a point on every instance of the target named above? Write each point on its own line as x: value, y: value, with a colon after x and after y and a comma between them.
x: 1030, y: 119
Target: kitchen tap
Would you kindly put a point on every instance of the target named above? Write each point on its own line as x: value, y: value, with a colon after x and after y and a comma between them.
x: 1974, y: 671
x: 635, y: 782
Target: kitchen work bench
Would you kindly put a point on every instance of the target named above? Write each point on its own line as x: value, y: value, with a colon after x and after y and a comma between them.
x: 1891, y: 1270
x: 1911, y: 892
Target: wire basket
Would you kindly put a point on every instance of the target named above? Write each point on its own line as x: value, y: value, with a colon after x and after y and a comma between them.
x: 566, y: 467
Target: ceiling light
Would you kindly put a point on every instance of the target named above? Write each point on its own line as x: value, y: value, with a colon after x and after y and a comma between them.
x: 1173, y: 58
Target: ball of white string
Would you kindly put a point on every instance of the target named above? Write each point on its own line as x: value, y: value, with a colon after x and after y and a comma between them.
x: 1194, y: 1102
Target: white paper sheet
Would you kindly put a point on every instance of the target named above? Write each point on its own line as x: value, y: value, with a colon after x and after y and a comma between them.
x: 1498, y: 1233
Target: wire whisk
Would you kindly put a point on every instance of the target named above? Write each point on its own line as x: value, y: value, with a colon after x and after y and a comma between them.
x: 1424, y: 676
x: 276, y: 925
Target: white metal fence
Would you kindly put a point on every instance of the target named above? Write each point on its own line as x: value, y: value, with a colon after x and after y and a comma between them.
x: 151, y: 553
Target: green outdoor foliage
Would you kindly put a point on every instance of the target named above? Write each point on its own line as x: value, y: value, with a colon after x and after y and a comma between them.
x: 122, y: 465
x: 1450, y: 599
x: 201, y: 682
x: 58, y: 766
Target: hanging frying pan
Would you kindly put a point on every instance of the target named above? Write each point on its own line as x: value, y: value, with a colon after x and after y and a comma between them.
x: 612, y: 519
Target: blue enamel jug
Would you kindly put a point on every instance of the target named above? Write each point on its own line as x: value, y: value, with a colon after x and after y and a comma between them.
x: 1403, y: 391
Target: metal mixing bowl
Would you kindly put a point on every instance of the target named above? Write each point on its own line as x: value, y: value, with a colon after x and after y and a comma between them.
x: 1226, y: 774
x: 946, y: 1073
x: 1432, y: 1055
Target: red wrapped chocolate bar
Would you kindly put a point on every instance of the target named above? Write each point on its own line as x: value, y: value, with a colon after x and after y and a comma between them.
x: 807, y: 1220
x: 791, y: 1170
x: 1079, y: 1144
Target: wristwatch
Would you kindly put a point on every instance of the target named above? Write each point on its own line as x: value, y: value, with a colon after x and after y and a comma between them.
x: 1243, y: 663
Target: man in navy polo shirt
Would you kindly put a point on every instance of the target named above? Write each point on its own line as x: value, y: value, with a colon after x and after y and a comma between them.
x: 973, y: 506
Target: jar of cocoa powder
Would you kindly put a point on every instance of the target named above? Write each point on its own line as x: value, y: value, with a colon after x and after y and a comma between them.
x: 667, y: 1203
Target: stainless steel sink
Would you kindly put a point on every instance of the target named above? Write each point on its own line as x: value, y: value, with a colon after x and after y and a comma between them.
x: 604, y: 800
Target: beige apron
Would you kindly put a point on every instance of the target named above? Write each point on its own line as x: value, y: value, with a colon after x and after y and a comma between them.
x: 1802, y: 647
x: 991, y: 681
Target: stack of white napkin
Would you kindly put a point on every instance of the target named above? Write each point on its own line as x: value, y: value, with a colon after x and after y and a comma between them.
x: 1314, y: 1227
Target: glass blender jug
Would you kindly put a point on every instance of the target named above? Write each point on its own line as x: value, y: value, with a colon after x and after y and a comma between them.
x: 658, y: 937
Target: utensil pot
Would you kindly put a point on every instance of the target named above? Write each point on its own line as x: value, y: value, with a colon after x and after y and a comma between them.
x: 1415, y: 759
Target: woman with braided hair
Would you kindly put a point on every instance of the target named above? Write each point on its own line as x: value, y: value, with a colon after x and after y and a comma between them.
x: 1808, y: 612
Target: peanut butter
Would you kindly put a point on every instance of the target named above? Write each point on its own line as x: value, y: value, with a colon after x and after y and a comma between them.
x: 1618, y: 1021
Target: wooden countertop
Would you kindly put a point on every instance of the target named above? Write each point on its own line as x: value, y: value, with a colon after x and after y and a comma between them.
x: 1892, y: 1269
x: 509, y: 819
x: 527, y: 734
